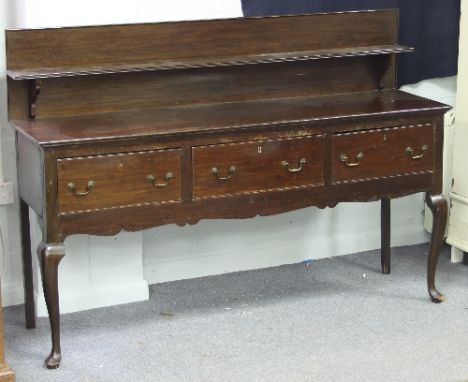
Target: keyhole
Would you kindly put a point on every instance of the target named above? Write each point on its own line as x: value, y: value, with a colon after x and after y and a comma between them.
x: 259, y: 149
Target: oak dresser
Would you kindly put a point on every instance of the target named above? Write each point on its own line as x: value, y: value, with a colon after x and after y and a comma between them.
x: 126, y: 127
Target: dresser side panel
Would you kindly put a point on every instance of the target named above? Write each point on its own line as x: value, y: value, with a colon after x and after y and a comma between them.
x: 30, y: 173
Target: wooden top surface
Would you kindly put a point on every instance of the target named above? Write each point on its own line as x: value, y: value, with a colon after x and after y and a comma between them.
x: 223, y: 117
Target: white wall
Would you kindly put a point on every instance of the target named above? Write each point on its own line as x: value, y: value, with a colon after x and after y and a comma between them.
x: 458, y: 221
x: 10, y: 260
x: 116, y: 269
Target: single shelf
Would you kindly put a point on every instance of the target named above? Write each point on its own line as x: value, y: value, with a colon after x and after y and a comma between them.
x: 209, y: 63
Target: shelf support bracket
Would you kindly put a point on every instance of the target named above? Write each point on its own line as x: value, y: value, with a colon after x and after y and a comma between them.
x: 34, y: 90
x: 383, y: 63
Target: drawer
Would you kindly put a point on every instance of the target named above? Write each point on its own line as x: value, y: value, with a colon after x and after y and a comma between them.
x: 257, y: 166
x: 108, y: 181
x: 365, y: 155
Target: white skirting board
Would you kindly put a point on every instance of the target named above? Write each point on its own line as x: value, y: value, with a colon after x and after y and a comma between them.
x: 95, y: 272
x: 73, y: 299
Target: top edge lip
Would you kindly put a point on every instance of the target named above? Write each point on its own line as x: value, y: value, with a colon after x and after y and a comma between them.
x: 385, y: 10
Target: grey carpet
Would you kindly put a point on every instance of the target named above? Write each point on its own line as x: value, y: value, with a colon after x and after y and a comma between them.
x: 321, y: 322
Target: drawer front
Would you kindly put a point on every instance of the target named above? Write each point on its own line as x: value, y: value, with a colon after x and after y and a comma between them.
x: 109, y: 181
x: 365, y: 155
x: 257, y: 166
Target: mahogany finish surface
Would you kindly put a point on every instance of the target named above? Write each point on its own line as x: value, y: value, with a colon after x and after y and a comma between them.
x: 119, y: 180
x: 383, y: 152
x: 228, y: 116
x: 128, y: 127
x: 257, y: 166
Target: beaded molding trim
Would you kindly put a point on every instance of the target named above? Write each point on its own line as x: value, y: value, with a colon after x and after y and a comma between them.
x: 357, y: 180
x: 310, y: 136
x: 119, y: 207
x: 256, y: 192
x: 385, y: 129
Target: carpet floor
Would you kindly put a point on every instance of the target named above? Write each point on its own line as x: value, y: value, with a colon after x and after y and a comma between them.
x: 336, y: 319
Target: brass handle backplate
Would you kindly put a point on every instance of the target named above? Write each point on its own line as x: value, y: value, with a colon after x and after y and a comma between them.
x: 232, y: 172
x: 410, y: 152
x: 152, y: 179
x: 89, y: 188
x: 344, y: 158
x: 302, y: 162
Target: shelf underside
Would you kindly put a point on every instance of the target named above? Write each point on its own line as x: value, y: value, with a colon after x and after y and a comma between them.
x: 31, y: 74
x: 231, y: 116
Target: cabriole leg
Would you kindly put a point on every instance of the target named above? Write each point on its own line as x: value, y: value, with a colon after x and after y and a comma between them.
x: 50, y: 256
x: 438, y: 206
x: 385, y: 235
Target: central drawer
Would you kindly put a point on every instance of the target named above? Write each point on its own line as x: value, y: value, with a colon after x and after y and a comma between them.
x: 257, y: 166
x: 118, y: 180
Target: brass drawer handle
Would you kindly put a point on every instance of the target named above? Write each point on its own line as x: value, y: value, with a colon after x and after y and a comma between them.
x: 152, y: 179
x: 344, y: 158
x: 302, y: 162
x: 89, y: 188
x: 410, y: 152
x: 232, y: 172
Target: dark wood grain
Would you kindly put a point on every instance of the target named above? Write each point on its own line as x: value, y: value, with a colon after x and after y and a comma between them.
x: 239, y: 206
x: 84, y: 95
x: 119, y: 180
x: 140, y: 44
x: 383, y: 152
x: 226, y: 117
x: 258, y: 166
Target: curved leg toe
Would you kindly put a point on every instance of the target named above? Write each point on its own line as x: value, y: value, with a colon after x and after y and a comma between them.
x: 53, y: 360
x: 436, y: 296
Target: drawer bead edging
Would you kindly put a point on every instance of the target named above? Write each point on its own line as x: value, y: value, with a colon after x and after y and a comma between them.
x: 384, y: 177
x: 259, y: 191
x: 384, y: 129
x: 117, y: 207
